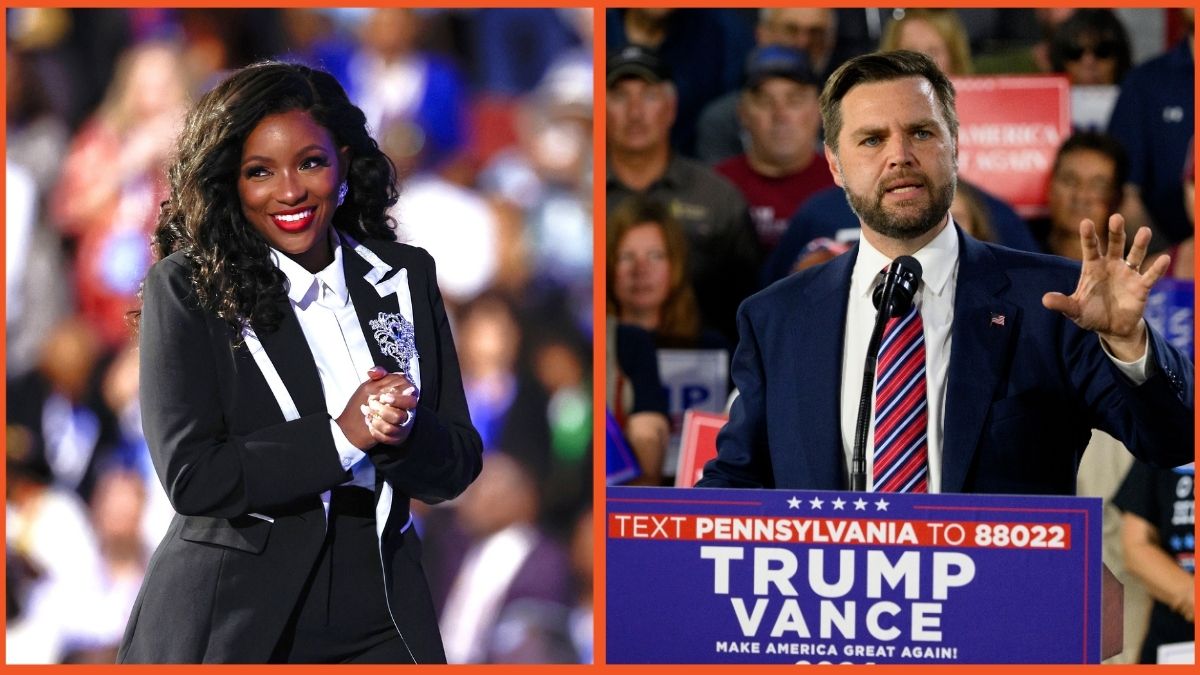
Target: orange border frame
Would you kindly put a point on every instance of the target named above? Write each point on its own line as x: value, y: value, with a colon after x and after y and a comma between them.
x: 599, y: 335
x: 599, y: 280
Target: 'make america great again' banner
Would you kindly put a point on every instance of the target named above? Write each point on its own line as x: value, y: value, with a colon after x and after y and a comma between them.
x: 781, y: 576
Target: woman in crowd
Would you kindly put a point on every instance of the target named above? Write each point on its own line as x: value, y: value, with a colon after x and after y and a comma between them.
x: 647, y: 277
x: 936, y: 33
x: 1091, y: 47
x: 299, y: 384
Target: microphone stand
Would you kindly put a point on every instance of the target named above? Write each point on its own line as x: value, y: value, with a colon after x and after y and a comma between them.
x: 858, y: 465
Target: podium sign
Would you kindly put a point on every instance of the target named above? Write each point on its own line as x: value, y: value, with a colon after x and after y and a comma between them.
x: 805, y: 576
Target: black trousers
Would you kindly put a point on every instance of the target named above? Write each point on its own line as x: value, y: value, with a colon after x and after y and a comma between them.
x: 342, y: 614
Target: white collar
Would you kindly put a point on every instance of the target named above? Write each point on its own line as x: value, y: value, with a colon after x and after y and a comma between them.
x: 938, y: 259
x: 303, y: 285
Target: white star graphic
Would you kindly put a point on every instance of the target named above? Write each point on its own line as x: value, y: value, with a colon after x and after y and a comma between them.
x: 793, y: 503
x: 881, y: 505
x: 816, y: 503
x: 860, y: 504
x: 838, y: 504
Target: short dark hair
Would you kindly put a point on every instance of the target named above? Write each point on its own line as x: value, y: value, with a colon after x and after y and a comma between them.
x: 1104, y: 144
x: 883, y: 67
x: 1101, y: 26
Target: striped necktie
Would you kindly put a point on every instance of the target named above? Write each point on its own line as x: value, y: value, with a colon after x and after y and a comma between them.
x: 901, y: 413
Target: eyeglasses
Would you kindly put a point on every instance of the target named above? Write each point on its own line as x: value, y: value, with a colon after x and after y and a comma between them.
x: 1104, y: 50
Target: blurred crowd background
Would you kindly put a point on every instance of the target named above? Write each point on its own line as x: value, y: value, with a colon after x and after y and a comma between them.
x: 487, y: 114
x: 717, y: 186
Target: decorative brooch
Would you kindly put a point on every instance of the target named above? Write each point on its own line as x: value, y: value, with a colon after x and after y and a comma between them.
x: 394, y: 334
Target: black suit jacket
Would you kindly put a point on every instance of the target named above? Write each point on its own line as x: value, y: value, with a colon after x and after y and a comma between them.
x: 1022, y: 397
x: 223, y: 583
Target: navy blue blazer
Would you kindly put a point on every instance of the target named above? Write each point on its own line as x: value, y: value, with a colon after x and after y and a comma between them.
x: 1022, y: 397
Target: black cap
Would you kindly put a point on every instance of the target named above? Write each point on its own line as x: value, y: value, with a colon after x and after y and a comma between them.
x: 778, y: 61
x: 639, y: 62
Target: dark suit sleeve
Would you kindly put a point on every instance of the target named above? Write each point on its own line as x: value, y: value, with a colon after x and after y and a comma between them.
x: 206, y: 471
x: 1155, y: 420
x: 443, y: 453
x: 743, y: 459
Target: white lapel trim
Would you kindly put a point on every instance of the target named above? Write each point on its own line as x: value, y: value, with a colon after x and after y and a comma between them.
x: 397, y: 284
x: 282, y: 397
x: 263, y: 360
x: 379, y: 270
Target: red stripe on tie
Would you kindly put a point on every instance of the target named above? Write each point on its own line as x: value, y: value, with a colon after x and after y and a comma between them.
x: 898, y: 380
x: 902, y: 475
x: 899, y: 451
x: 898, y: 413
x: 904, y: 392
x: 910, y: 331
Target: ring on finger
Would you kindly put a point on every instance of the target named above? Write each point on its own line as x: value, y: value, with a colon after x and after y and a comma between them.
x: 408, y: 420
x: 1135, y: 268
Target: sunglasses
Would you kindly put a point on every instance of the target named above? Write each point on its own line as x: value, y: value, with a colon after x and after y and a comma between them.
x: 1104, y: 50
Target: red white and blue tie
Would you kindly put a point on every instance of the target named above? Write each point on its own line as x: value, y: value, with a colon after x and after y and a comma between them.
x: 901, y: 411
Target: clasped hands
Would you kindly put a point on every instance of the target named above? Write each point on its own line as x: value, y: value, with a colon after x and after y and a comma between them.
x: 1111, y: 295
x: 381, y: 410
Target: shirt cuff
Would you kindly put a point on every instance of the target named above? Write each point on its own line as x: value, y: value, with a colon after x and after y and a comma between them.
x: 348, y: 454
x: 1137, y: 371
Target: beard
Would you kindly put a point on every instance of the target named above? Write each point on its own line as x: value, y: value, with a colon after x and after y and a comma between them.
x: 908, y: 223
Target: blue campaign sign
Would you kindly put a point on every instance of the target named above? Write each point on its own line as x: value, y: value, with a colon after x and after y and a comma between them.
x: 1170, y: 310
x: 805, y: 576
x: 620, y: 461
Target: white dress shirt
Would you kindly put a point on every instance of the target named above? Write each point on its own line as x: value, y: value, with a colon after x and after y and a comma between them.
x: 935, y: 301
x: 323, y: 306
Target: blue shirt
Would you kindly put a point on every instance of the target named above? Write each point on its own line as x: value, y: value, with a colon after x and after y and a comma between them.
x: 1154, y: 120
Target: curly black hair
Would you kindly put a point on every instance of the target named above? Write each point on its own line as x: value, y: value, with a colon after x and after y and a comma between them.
x: 231, y: 268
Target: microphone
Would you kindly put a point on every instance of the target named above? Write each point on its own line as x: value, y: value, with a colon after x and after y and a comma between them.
x: 892, y: 298
x: 900, y: 284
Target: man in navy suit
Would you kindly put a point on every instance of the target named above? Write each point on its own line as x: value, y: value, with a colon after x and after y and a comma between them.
x: 1018, y: 369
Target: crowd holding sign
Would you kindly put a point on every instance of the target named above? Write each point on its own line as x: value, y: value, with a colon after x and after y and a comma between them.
x: 777, y: 576
x: 695, y: 379
x: 1170, y: 310
x: 1010, y: 148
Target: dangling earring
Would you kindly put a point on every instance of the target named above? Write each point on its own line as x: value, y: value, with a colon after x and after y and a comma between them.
x: 342, y: 191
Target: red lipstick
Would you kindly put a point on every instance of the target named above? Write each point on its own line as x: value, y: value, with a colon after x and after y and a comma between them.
x: 294, y: 220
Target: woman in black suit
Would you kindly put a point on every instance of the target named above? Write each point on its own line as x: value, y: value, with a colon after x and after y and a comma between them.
x: 299, y: 384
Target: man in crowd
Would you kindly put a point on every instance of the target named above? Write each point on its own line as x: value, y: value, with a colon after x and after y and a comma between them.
x: 987, y: 383
x: 1153, y: 120
x: 810, y: 30
x: 723, y: 252
x: 781, y: 166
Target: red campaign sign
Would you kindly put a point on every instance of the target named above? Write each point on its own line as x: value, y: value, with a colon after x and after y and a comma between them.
x: 698, y: 444
x: 1010, y: 128
x: 842, y: 531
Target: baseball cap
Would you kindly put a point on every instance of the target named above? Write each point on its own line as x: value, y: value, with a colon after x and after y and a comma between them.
x: 636, y: 61
x: 778, y: 61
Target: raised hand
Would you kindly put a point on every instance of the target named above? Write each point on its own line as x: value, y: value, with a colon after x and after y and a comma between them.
x: 1110, y: 297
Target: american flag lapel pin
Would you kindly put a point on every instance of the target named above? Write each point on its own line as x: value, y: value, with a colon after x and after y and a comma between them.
x: 997, y: 319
